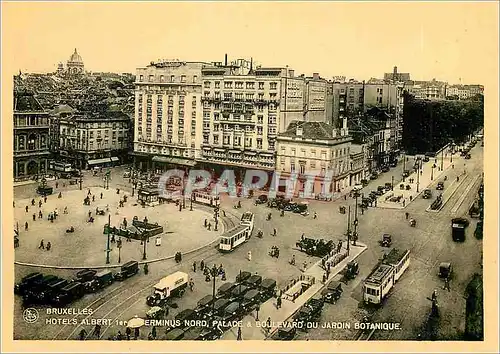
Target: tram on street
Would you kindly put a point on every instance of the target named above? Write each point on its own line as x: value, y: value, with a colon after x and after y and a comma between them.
x: 383, y: 278
x: 234, y: 238
x: 248, y: 219
x: 205, y: 198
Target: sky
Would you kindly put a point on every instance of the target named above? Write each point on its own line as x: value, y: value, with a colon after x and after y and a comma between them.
x: 446, y: 41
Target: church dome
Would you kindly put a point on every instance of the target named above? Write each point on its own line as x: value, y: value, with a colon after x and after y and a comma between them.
x: 76, y: 58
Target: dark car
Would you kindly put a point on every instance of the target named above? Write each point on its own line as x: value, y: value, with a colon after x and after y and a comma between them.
x: 85, y: 275
x: 225, y: 290
x: 186, y: 315
x: 440, y: 186
x: 239, y: 291
x: 205, y: 301
x: 445, y: 270
x: 52, y: 290
x: 426, y: 159
x: 364, y: 182
x: 385, y: 168
x: 32, y: 294
x: 202, y: 333
x: 232, y: 312
x: 352, y: 269
x: 127, y: 270
x: 251, y: 298
x: 175, y: 334
x: 332, y: 292
x: 386, y: 240
x: 101, y: 280
x: 220, y: 305
x: 373, y: 176
x: 458, y: 226
x: 69, y: 293
x: 267, y: 288
x: 261, y: 199
x: 241, y: 277
x: 253, y: 281
x: 27, y: 281
x: 406, y: 173
x: 427, y: 194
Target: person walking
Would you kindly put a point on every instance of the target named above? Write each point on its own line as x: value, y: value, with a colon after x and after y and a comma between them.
x: 97, y: 331
x: 83, y: 334
x: 26, y: 226
x: 278, y: 302
x: 194, y: 266
x: 202, y: 265
x: 191, y: 284
x: 101, y: 195
x: 49, y: 246
x: 27, y: 208
x: 274, y: 232
x: 34, y: 217
x: 305, y: 265
x: 407, y: 215
x: 40, y: 215
x: 136, y: 333
x: 315, y: 215
x: 209, y: 226
x: 128, y: 331
x: 41, y: 245
x: 447, y: 284
x: 40, y: 204
x: 249, y: 255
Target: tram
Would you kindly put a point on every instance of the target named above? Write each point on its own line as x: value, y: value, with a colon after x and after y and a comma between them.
x: 205, y: 198
x: 385, y: 275
x: 248, y: 219
x: 234, y: 237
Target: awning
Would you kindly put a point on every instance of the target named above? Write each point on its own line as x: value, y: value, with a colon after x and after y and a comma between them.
x: 114, y: 158
x: 251, y: 153
x: 174, y: 160
x: 220, y: 149
x: 235, y: 151
x: 99, y: 161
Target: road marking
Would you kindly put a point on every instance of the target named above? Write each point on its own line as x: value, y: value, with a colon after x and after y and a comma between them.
x: 464, y: 195
x: 456, y: 185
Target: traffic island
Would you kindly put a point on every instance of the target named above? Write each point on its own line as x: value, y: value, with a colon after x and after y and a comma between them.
x: 255, y: 329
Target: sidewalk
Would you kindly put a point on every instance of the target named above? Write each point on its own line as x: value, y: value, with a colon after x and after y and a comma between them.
x: 424, y: 180
x: 250, y: 330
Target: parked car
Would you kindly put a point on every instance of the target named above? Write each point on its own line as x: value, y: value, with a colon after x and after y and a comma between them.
x: 440, y: 186
x: 332, y: 292
x: 373, y: 176
x: 261, y: 199
x: 127, y: 270
x: 386, y: 240
x: 445, y: 270
x: 385, y: 168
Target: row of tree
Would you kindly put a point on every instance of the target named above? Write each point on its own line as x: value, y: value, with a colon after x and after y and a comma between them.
x: 430, y: 125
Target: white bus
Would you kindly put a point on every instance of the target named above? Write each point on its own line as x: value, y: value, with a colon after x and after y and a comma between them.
x: 248, y: 219
x: 385, y: 275
x: 233, y: 238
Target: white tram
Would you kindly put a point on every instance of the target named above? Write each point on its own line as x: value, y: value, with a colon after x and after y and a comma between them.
x: 206, y: 198
x: 234, y: 237
x: 248, y: 219
x: 385, y: 275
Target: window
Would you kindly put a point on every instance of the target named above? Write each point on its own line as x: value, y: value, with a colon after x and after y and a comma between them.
x: 162, y: 78
x: 183, y: 78
x: 195, y: 79
x: 302, y: 169
x: 313, y: 164
x: 271, y: 144
x: 261, y: 85
x: 217, y: 84
x: 172, y: 78
x: 250, y: 85
x: 249, y: 96
x: 273, y: 85
x: 216, y: 139
x: 206, y: 84
x: 260, y: 119
x: 292, y: 166
x: 272, y: 131
x: 141, y: 78
x: 259, y: 130
x: 313, y: 153
x: 293, y: 151
x: 259, y: 143
x: 272, y: 119
x: 151, y: 78
x: 228, y: 84
x: 323, y: 155
x: 238, y: 85
x: 228, y: 95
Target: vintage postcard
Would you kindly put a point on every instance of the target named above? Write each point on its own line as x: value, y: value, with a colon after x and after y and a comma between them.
x: 249, y: 176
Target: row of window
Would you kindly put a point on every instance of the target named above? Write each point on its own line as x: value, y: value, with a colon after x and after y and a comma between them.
x: 240, y: 85
x: 22, y: 121
x: 312, y: 152
x: 170, y: 79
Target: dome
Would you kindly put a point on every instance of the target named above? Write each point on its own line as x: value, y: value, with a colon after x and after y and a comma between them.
x: 76, y: 58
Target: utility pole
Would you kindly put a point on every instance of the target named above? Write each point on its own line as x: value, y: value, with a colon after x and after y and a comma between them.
x: 355, y: 233
x: 348, y: 229
x: 442, y: 159
x: 404, y: 165
x: 144, y: 251
x: 419, y: 167
x: 109, y: 231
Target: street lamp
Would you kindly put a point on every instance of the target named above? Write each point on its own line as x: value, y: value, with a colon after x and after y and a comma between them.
x: 404, y: 165
x: 214, y: 273
x: 348, y: 229
x: 119, y: 246
x: 419, y: 166
x: 432, y: 171
x: 392, y: 183
x: 442, y: 159
x: 145, y: 239
x: 108, y: 246
x: 191, y: 206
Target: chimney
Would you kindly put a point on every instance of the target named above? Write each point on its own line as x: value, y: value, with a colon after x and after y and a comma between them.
x: 298, y: 130
x: 334, y: 132
x: 225, y: 60
x: 316, y: 76
x: 395, y: 70
x: 291, y: 73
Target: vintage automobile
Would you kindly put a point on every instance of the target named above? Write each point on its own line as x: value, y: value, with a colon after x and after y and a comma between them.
x: 352, y: 269
x: 250, y: 299
x: 205, y: 301
x: 233, y: 311
x: 185, y: 315
x: 202, y: 333
x: 286, y: 333
x: 385, y: 168
x: 127, y: 270
x: 26, y: 282
x: 309, y: 312
x: 440, y: 186
x: 71, y: 292
x: 301, y: 208
x: 261, y: 199
x: 445, y: 270
x: 238, y: 292
x: 44, y: 190
x: 267, y: 289
x: 101, y: 280
x: 253, y: 281
x: 386, y: 240
x: 380, y: 190
x: 32, y: 295
x: 220, y: 305
x: 364, y: 182
x: 388, y: 186
x: 426, y: 158
x: 225, y: 290
x: 332, y: 292
x: 175, y: 334
x: 315, y: 247
x: 374, y: 175
x: 156, y: 313
x: 173, y: 285
x: 458, y: 226
x: 241, y: 277
x: 427, y: 194
x: 48, y: 294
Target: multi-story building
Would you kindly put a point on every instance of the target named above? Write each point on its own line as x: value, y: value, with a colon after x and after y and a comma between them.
x: 315, y: 149
x: 31, y: 136
x: 379, y: 143
x: 358, y: 160
x: 347, y: 100
x: 463, y: 92
x: 75, y: 64
x: 61, y: 111
x: 318, y: 99
x: 94, y: 140
x: 428, y: 90
x: 168, y: 115
x: 395, y: 76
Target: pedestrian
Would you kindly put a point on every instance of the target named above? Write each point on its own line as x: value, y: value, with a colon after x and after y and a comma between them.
x: 345, y: 196
x: 27, y: 208
x: 223, y: 213
x: 206, y: 223
x: 268, y: 324
x: 26, y: 226
x: 49, y: 245
x: 40, y: 215
x: 153, y: 332
x: 136, y: 333
x: 57, y: 184
x: 88, y: 193
x: 447, y: 284
x: 323, y: 263
x: 93, y: 198
x: 83, y: 334
x: 65, y: 210
x: 305, y: 265
x: 101, y: 195
x: 41, y: 245
x: 249, y: 255
x: 274, y: 232
x: 315, y: 215
x: 278, y: 302
x: 191, y: 284
x: 45, y: 199
x: 33, y: 202
x: 209, y: 226
x: 324, y: 278
x: 404, y: 202
x: 97, y: 331
x: 40, y: 204
x: 292, y: 262
x: 194, y: 266
x: 128, y: 331
x: 407, y: 215
x: 90, y: 213
x: 202, y: 265
x: 328, y: 265
x: 34, y: 217
x: 13, y: 204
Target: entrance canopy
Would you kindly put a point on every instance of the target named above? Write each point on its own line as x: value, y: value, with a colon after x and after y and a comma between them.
x: 174, y: 160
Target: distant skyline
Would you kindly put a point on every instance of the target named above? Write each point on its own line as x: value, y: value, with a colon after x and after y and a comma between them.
x: 446, y: 41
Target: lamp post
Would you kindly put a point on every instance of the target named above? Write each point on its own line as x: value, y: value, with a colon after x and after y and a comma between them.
x: 119, y: 246
x: 419, y: 166
x: 404, y: 165
x: 392, y: 183
x: 442, y: 159
x: 107, y: 246
x: 214, y: 274
x: 348, y: 229
x: 145, y: 240
x: 81, y: 180
x: 191, y: 201
x: 432, y: 171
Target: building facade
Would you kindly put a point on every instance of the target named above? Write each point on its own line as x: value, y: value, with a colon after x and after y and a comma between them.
x: 94, y: 140
x: 315, y: 148
x: 75, y: 66
x: 396, y: 76
x: 358, y: 163
x: 463, y: 92
x: 31, y: 137
x: 318, y: 100
x: 168, y: 115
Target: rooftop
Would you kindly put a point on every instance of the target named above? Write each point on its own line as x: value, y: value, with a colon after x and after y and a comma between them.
x: 310, y: 130
x: 379, y: 274
x: 26, y: 102
x: 394, y: 256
